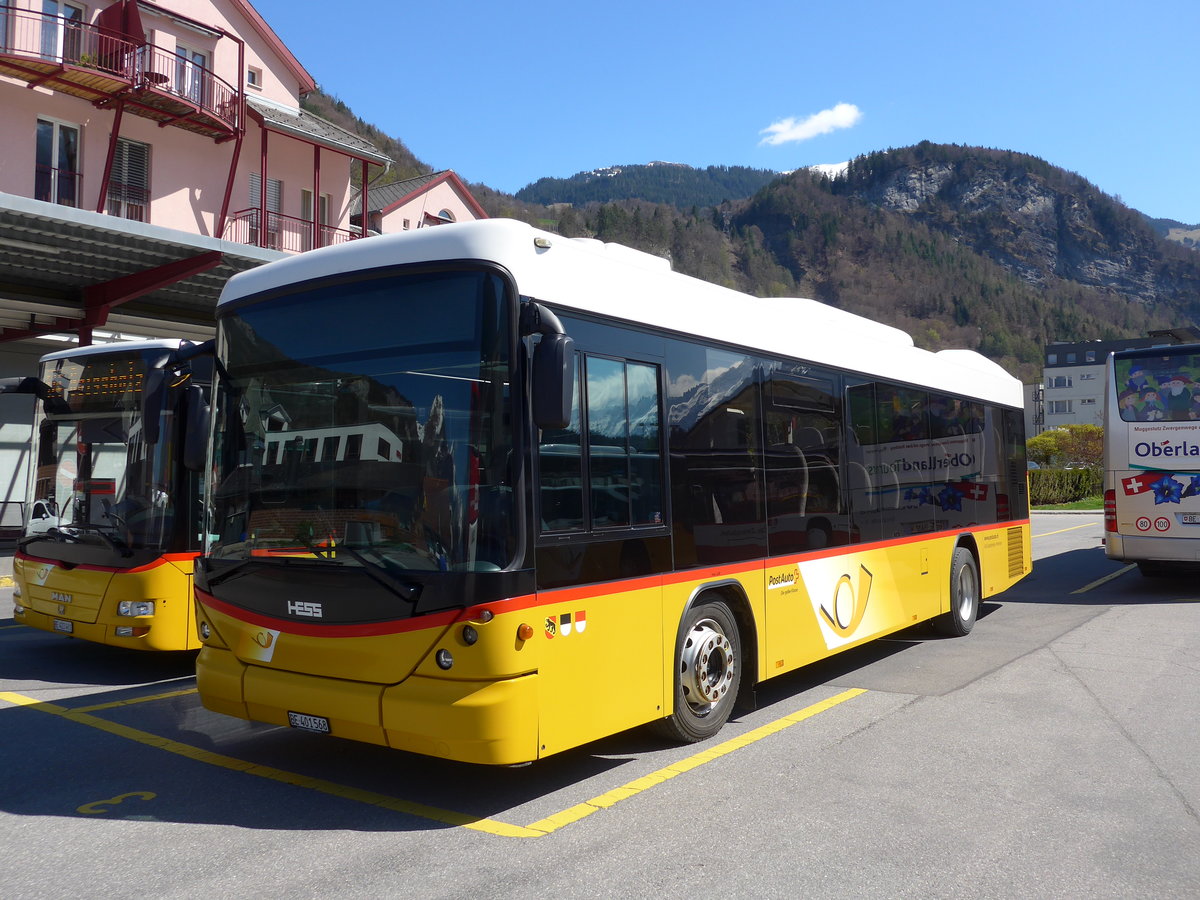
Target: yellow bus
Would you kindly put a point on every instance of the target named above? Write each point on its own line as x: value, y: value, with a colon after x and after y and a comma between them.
x: 612, y: 494
x: 112, y: 519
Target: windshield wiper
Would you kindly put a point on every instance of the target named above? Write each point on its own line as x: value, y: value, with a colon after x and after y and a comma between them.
x: 408, y: 591
x: 113, y: 542
x: 211, y: 578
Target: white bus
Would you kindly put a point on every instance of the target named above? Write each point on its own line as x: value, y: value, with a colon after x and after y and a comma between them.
x: 1152, y: 458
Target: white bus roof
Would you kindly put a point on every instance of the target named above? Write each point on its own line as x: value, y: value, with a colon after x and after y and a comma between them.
x: 613, y: 280
x: 114, y: 347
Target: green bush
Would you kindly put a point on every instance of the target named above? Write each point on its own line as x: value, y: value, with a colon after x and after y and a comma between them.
x: 1048, y: 486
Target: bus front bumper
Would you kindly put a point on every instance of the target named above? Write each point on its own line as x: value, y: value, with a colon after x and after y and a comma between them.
x: 487, y: 722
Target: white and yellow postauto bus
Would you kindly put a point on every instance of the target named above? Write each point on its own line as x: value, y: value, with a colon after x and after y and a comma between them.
x: 612, y: 494
x: 112, y: 518
x: 1152, y: 458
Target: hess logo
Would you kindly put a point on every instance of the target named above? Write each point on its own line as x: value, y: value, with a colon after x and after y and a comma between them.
x: 312, y: 610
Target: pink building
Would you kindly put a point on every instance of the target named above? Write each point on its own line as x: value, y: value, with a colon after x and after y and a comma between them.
x: 149, y: 152
x: 434, y: 199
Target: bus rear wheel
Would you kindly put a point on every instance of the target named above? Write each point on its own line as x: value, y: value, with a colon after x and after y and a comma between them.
x: 964, y: 595
x: 707, y: 673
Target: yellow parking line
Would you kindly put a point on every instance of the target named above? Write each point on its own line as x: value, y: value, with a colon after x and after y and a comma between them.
x: 1105, y: 579
x: 116, y: 703
x: 1072, y: 528
x: 490, y: 826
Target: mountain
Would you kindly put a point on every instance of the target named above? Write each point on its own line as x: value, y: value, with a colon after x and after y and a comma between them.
x: 656, y: 182
x: 960, y: 246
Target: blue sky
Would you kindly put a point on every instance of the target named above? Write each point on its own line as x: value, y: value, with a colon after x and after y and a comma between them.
x: 508, y: 91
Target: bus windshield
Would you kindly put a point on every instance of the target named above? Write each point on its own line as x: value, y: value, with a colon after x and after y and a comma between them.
x: 369, y: 424
x: 97, y: 480
x: 1160, y: 385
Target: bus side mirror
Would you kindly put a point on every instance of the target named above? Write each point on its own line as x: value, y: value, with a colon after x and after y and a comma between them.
x: 553, y: 381
x: 195, y: 429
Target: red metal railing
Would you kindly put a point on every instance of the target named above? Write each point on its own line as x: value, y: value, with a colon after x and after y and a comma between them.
x: 61, y: 186
x: 43, y: 38
x: 283, y: 232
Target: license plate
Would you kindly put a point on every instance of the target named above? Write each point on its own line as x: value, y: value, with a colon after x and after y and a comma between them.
x: 319, y: 724
x: 1190, y: 518
x: 64, y: 626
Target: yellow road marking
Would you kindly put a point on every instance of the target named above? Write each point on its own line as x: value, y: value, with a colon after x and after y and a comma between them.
x: 604, y: 801
x: 490, y: 826
x: 1072, y: 528
x: 1105, y: 579
x: 116, y: 703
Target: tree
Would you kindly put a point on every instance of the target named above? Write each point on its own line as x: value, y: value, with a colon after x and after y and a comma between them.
x: 1069, y: 446
x: 1083, y: 446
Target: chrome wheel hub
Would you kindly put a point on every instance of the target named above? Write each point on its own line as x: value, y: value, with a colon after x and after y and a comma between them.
x: 707, y: 666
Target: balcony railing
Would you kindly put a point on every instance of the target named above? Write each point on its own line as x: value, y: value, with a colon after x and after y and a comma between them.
x: 61, y: 186
x: 81, y: 59
x: 283, y: 232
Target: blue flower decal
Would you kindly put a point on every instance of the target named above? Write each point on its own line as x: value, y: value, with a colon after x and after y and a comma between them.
x: 1167, y: 490
x: 951, y: 498
x: 1193, y: 488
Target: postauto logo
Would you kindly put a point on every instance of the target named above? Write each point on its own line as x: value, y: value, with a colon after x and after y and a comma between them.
x: 1165, y: 449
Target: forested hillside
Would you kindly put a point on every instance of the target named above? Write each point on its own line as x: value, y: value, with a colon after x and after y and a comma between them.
x: 671, y: 183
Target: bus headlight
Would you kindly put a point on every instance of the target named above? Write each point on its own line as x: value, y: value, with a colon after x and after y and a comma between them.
x: 135, y: 608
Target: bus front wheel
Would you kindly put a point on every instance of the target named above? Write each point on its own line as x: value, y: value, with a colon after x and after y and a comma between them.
x: 707, y: 673
x: 964, y: 595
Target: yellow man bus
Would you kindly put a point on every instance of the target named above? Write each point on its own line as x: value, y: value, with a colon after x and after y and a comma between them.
x: 611, y: 494
x: 112, y: 522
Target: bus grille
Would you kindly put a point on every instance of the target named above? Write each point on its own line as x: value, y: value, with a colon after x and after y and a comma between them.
x: 1016, y: 553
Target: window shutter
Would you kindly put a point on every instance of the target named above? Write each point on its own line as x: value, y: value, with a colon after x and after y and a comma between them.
x: 274, y: 192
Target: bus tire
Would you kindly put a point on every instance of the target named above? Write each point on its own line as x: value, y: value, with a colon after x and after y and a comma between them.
x: 964, y: 595
x: 708, y: 673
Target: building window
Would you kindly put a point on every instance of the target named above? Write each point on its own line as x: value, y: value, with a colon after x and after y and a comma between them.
x: 1058, y: 407
x: 274, y: 208
x: 1089, y: 356
x: 1087, y: 376
x: 190, y: 69
x: 1088, y: 401
x: 57, y: 176
x: 1059, y: 381
x: 1070, y: 358
x: 254, y: 78
x: 129, y: 186
x: 320, y: 235
x: 62, y: 37
x: 1052, y: 359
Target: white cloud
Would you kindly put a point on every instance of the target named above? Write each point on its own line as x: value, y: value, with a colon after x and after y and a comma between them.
x: 791, y: 130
